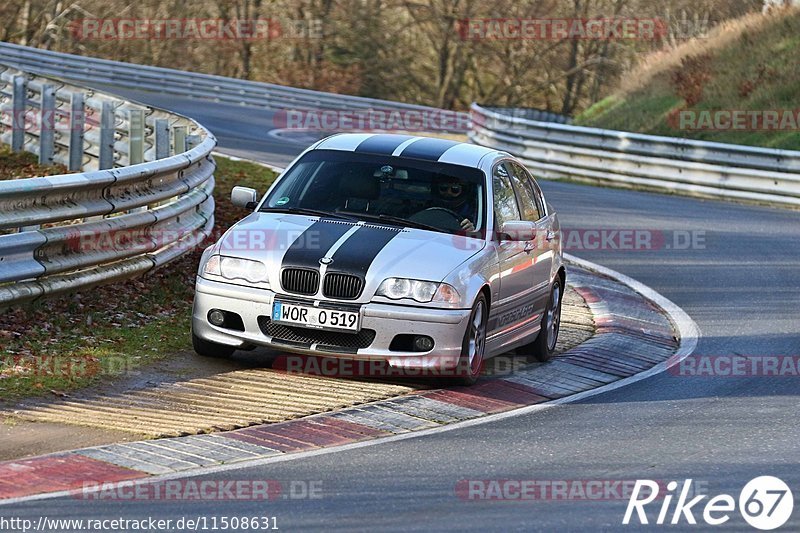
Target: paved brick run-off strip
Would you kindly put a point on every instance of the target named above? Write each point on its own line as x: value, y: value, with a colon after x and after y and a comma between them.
x: 251, y: 396
x: 632, y: 335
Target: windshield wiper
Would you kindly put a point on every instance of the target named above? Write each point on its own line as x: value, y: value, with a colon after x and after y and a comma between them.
x: 351, y: 217
x: 400, y: 221
x: 306, y: 211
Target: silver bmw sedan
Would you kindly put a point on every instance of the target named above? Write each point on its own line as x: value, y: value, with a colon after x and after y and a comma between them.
x: 418, y: 252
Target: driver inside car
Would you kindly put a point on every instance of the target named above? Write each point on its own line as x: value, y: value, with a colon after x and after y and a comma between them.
x: 451, y: 194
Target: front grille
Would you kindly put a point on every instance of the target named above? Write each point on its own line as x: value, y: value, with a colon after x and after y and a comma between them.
x: 344, y: 286
x: 326, y: 340
x: 300, y: 280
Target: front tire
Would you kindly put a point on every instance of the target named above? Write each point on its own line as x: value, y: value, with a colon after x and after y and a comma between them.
x: 211, y: 349
x: 470, y: 365
x: 544, y: 347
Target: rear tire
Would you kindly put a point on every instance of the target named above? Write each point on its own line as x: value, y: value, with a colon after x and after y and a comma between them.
x: 470, y: 365
x: 211, y: 349
x: 543, y: 348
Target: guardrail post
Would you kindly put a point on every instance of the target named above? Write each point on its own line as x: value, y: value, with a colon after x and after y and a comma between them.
x: 162, y: 138
x: 178, y: 144
x: 47, y: 125
x: 77, y: 121
x: 18, y: 108
x: 135, y: 136
x: 178, y: 139
x: 106, y: 156
x: 192, y: 141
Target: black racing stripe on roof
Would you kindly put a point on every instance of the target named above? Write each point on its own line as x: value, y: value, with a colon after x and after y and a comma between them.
x: 382, y: 144
x: 428, y: 149
x: 312, y: 245
x: 358, y: 252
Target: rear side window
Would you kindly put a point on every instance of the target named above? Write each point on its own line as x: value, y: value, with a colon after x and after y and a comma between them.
x: 533, y: 187
x: 505, y: 203
x: 526, y: 194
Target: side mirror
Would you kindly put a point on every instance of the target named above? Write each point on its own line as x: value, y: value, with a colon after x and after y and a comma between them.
x: 244, y: 197
x: 518, y: 230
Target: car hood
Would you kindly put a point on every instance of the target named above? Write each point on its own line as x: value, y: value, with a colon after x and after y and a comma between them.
x: 371, y: 251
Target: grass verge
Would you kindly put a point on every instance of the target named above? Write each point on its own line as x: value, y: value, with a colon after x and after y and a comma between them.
x: 751, y: 64
x: 16, y: 165
x: 63, y: 344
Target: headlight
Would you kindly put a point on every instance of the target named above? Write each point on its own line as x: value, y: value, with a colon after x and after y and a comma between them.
x: 236, y: 268
x: 420, y: 291
x: 246, y: 269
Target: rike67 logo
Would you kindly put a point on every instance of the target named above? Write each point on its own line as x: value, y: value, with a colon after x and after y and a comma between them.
x: 765, y: 503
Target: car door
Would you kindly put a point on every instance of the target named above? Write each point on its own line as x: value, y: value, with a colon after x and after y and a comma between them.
x: 515, y: 304
x: 533, y: 209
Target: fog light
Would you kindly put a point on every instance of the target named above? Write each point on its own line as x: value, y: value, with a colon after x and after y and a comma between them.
x: 216, y: 317
x: 423, y: 344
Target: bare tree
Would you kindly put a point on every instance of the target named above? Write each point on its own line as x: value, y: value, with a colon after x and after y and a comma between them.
x: 405, y: 50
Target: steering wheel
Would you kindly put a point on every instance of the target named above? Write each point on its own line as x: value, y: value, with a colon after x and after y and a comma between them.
x: 432, y: 217
x: 450, y: 212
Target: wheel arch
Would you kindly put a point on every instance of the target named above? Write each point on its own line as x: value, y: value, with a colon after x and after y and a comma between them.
x: 487, y: 293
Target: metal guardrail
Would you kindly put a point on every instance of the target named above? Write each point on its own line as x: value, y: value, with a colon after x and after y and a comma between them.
x: 196, y: 85
x: 531, y: 113
x: 139, y: 195
x: 685, y: 166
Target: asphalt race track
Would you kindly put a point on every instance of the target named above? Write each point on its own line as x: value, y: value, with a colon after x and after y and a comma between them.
x: 740, y: 282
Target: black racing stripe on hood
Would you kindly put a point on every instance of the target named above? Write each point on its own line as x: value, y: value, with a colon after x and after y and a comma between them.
x: 382, y: 144
x: 428, y: 149
x: 358, y: 252
x: 312, y: 245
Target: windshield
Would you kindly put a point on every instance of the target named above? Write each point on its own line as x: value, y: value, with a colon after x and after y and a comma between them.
x: 437, y: 196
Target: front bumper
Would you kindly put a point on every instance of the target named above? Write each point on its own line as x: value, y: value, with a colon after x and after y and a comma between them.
x: 445, y: 326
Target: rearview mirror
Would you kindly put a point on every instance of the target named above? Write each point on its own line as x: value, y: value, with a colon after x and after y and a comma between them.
x: 518, y: 230
x: 244, y: 197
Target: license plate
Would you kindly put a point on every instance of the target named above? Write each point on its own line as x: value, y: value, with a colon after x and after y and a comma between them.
x: 314, y: 317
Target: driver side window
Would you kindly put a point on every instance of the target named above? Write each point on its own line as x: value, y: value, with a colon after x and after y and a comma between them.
x: 505, y: 203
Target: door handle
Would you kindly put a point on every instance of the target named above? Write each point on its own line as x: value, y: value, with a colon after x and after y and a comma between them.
x: 529, y: 247
x: 550, y: 235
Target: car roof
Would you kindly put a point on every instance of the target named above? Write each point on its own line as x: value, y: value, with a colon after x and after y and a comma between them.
x: 408, y: 146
